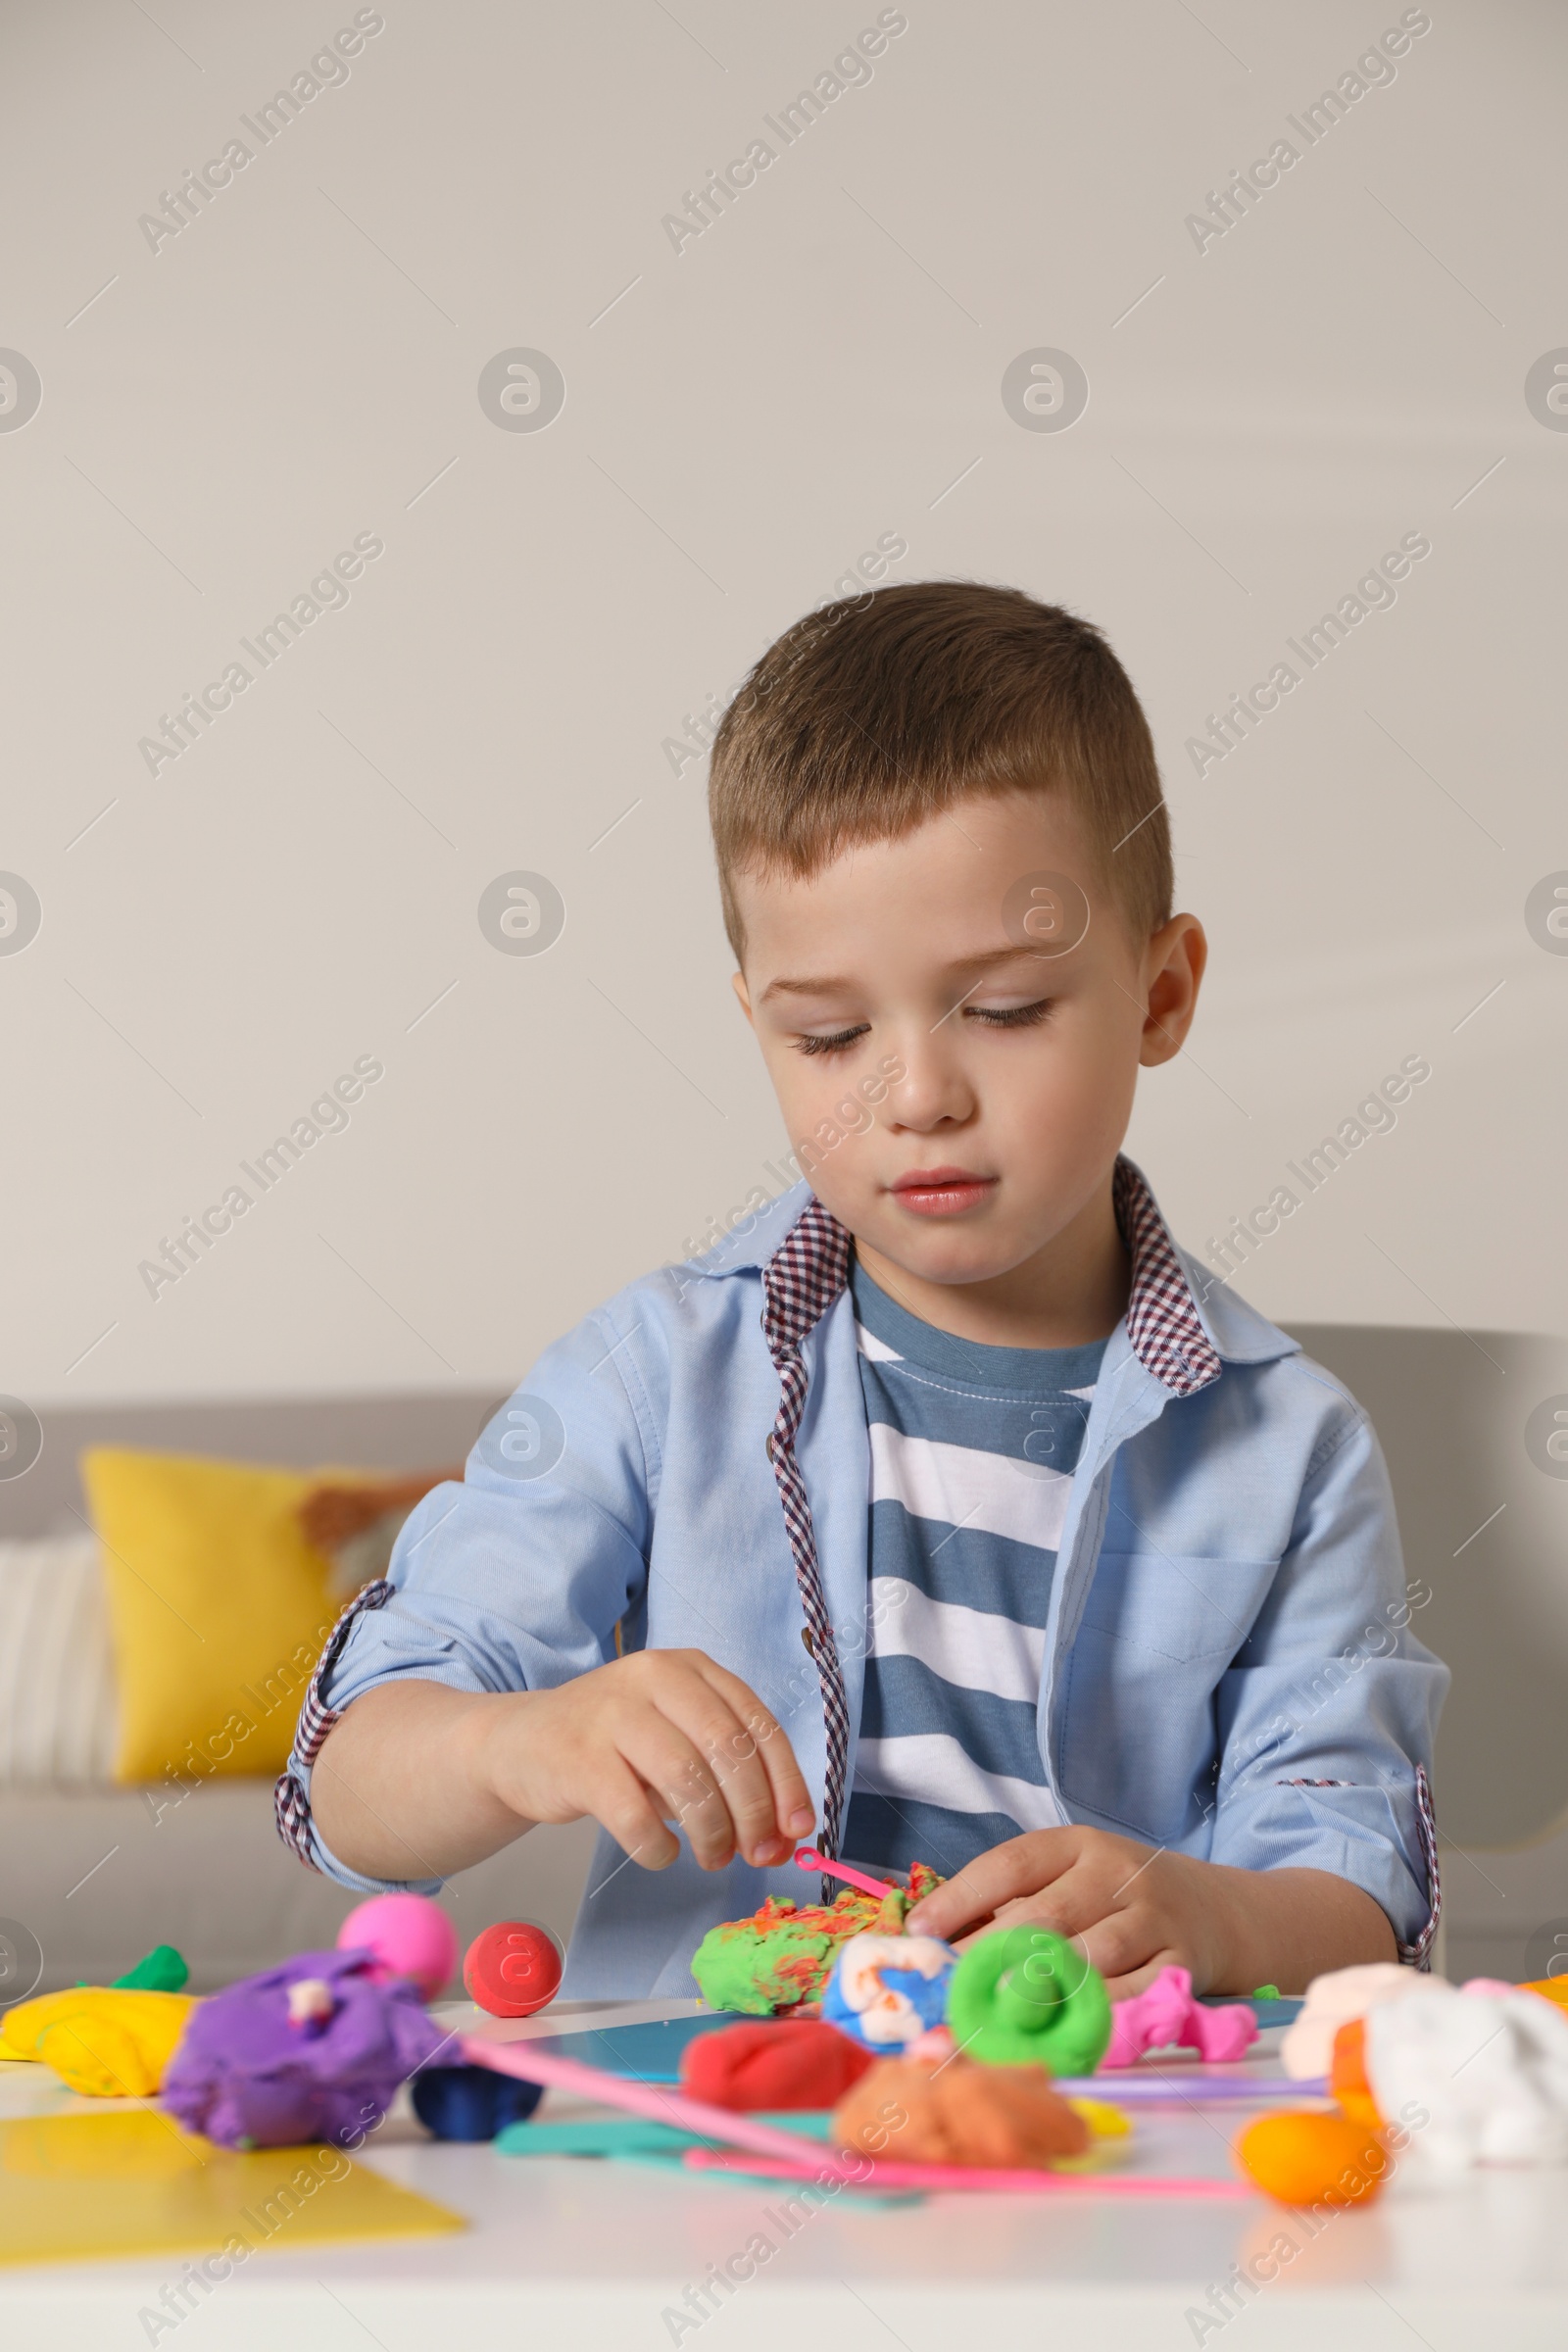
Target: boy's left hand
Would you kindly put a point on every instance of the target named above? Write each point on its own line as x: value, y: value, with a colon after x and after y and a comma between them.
x: 1133, y: 1909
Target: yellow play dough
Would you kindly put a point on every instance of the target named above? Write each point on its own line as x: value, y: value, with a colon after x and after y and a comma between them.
x: 1105, y: 2122
x: 102, y: 2041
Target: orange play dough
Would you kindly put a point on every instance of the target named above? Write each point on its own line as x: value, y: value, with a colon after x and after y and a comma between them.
x: 1308, y: 2159
x: 1348, y: 2076
x: 1550, y: 1989
x: 999, y: 2116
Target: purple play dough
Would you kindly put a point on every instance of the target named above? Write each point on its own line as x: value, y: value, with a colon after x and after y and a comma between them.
x: 246, y: 2076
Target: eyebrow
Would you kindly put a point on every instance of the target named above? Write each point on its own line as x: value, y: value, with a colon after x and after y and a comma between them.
x: 835, y: 986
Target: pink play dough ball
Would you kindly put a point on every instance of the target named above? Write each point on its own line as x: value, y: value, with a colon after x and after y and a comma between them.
x: 409, y: 1935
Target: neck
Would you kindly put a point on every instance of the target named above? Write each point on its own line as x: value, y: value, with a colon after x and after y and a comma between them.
x: 1072, y: 1290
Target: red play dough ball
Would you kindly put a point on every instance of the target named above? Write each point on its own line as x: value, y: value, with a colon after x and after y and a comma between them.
x: 511, y: 1969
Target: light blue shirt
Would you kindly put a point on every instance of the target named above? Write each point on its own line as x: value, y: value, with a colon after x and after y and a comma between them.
x: 1227, y: 1667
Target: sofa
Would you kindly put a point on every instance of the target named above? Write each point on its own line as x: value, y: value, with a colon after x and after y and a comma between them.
x: 93, y: 1875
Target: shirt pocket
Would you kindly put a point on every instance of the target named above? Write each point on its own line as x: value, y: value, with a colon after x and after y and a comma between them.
x: 1157, y: 1632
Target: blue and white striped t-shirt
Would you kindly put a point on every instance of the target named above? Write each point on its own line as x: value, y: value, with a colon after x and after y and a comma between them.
x: 973, y: 1450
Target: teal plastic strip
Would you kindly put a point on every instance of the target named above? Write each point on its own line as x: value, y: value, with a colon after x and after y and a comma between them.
x: 632, y: 2135
x: 613, y: 2136
x: 628, y: 2139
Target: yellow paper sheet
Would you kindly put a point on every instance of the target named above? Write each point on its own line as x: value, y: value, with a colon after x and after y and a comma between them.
x: 75, y: 2187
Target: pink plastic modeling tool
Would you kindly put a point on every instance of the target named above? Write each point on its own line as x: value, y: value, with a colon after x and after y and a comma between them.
x: 809, y: 1859
x: 789, y: 2157
x: 660, y: 2106
x: 883, y: 2174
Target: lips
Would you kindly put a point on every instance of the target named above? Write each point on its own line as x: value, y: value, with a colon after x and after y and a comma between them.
x: 943, y: 1192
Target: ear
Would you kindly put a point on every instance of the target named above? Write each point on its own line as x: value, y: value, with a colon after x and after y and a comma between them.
x: 1173, y: 974
x: 737, y: 981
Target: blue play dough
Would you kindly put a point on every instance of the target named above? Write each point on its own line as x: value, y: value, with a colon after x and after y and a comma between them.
x: 926, y: 1995
x: 469, y: 2102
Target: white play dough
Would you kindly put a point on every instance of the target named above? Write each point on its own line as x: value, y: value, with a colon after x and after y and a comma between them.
x: 1332, y: 2002
x: 1488, y: 2071
x: 888, y: 2014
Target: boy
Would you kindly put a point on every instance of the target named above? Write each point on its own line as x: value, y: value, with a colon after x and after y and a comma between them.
x: 945, y: 1506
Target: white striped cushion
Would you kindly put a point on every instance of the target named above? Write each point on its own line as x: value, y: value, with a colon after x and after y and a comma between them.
x: 57, y: 1670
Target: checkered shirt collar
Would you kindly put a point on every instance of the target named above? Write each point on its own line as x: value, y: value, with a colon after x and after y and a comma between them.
x: 1164, y: 1328
x: 1163, y: 1325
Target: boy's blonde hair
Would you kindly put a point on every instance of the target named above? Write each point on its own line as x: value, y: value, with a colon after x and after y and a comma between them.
x: 871, y: 715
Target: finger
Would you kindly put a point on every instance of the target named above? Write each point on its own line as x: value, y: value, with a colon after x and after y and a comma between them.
x: 1138, y: 1980
x: 794, y: 1813
x: 1120, y: 1943
x: 685, y: 1789
x: 1002, y: 1875
x: 1074, y: 1902
x: 622, y: 1804
x: 735, y: 1768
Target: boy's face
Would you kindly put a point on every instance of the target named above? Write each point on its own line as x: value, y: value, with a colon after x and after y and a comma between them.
x: 1009, y: 1054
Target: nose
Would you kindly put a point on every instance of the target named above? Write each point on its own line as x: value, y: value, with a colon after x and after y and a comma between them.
x: 935, y: 1089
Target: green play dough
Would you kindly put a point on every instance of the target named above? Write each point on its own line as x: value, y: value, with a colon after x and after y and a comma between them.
x: 784, y: 1953
x: 736, y: 1968
x: 163, y: 1971
x: 1026, y: 1997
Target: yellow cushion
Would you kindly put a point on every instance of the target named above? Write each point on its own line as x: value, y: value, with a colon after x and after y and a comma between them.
x: 217, y: 1605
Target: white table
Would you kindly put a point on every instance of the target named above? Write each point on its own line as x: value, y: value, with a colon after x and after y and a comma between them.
x: 591, y: 2256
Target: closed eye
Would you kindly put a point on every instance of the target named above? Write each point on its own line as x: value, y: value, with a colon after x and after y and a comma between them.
x: 1010, y: 1016
x: 835, y: 1044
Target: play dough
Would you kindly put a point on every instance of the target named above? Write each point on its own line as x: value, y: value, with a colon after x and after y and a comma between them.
x: 782, y: 1955
x: 1332, y: 2002
x: 773, y: 2066
x: 407, y: 1935
x: 108, y: 2042
x: 1166, y: 2016
x: 1311, y: 2159
x: 469, y: 2102
x: 1489, y: 2071
x: 163, y: 1970
x: 513, y: 1969
x: 314, y: 2050
x: 1022, y: 1996
x: 1001, y: 2117
x: 889, y: 1991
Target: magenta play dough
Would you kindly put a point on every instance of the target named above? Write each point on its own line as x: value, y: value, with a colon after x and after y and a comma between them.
x: 409, y: 1935
x: 511, y: 1969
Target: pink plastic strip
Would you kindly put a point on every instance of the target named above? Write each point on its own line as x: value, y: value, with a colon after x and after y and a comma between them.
x: 790, y: 2157
x: 809, y: 1859
x: 524, y: 2060
x: 887, y: 2175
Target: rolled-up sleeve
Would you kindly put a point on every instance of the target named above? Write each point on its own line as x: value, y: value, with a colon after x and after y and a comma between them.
x: 1327, y: 1715
x: 515, y: 1579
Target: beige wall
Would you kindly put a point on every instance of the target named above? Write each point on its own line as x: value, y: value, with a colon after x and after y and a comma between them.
x: 294, y: 368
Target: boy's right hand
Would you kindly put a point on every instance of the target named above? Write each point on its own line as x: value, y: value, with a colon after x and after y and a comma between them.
x: 663, y: 1736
